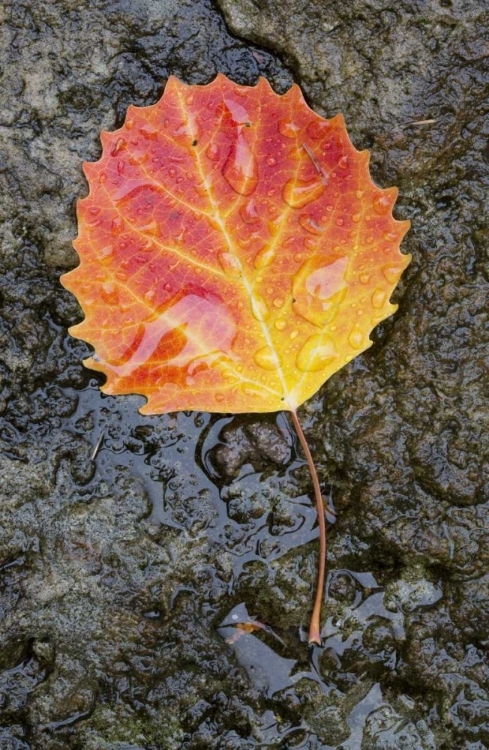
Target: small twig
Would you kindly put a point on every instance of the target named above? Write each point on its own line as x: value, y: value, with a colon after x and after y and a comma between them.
x: 97, y: 445
x: 420, y: 122
x: 315, y: 626
x: 317, y: 165
x: 328, y: 507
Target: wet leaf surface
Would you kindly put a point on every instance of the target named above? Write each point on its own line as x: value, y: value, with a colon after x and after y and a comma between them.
x: 234, y: 251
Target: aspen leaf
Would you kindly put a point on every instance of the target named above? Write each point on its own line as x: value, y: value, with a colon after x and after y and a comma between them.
x: 234, y: 251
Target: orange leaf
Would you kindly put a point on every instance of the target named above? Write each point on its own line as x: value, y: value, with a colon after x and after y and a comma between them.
x: 234, y: 251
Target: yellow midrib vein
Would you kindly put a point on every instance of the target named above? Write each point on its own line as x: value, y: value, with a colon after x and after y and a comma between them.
x: 246, y: 283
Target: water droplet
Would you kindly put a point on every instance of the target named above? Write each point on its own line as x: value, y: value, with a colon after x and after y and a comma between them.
x: 392, y: 273
x: 106, y: 253
x: 178, y: 235
x: 250, y: 390
x: 317, y: 129
x: 288, y: 128
x: 120, y: 145
x: 259, y: 308
x: 298, y: 193
x: 344, y: 162
x: 93, y: 215
x: 318, y: 352
x: 271, y: 161
x: 340, y: 222
x: 355, y: 339
x: 318, y: 289
x: 378, y: 298
x: 266, y: 358
x: 382, y: 204
x: 356, y: 218
x: 280, y: 324
x: 249, y: 213
x: 390, y: 236
x: 294, y: 333
x: 278, y: 302
x: 212, y: 152
x: 241, y: 170
x: 236, y: 113
x: 172, y: 172
x: 193, y: 331
x: 146, y: 246
x: 219, y: 397
x: 117, y: 225
x: 187, y: 132
x: 364, y: 278
x: 310, y: 224
x: 148, y: 131
x: 229, y: 263
x: 109, y: 293
x: 263, y: 257
x: 274, y: 226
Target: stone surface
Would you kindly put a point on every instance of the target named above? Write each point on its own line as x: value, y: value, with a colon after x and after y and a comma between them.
x: 156, y: 573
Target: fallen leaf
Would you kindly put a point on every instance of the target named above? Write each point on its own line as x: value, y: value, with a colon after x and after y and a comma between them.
x: 234, y: 252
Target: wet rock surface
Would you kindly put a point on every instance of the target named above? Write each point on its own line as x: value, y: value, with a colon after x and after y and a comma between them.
x: 156, y: 573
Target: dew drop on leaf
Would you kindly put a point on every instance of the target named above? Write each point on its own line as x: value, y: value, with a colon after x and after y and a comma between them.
x: 382, y: 204
x: 310, y: 224
x: 212, y: 152
x: 266, y: 358
x: 392, y: 273
x: 318, y: 290
x: 288, y: 128
x: 378, y: 298
x: 259, y: 308
x: 263, y: 257
x: 228, y: 262
x: 318, y: 351
x: 241, y: 169
x: 318, y: 129
x: 355, y: 338
x: 298, y: 193
x: 249, y: 213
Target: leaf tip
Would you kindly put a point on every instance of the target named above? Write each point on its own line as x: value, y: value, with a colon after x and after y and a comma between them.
x: 264, y: 83
x: 174, y: 84
x: 339, y: 121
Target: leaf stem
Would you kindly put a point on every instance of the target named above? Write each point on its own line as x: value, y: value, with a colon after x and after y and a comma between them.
x: 315, y: 626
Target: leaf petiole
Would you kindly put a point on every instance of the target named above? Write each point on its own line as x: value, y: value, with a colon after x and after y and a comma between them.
x: 315, y: 626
